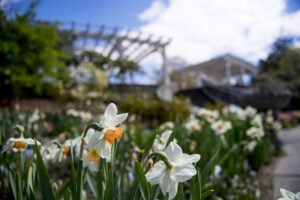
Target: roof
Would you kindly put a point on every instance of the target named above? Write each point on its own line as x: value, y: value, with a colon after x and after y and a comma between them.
x: 222, y: 59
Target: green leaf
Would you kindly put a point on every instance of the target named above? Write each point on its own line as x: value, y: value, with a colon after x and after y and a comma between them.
x: 109, y: 192
x: 30, y: 182
x: 67, y: 194
x: 207, y: 193
x: 91, y: 185
x: 180, y: 195
x: 13, y: 185
x: 198, y: 186
x: 133, y: 190
x: 44, y: 180
x: 148, y: 146
x: 73, y: 176
x: 155, y: 192
x: 62, y: 190
x: 19, y: 185
x: 171, y: 138
x: 142, y: 182
x: 208, y: 167
x: 193, y: 185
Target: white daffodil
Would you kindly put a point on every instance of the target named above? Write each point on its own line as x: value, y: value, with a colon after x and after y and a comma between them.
x: 287, y: 195
x: 166, y: 126
x: 193, y: 125
x: 217, y: 171
x: 221, y: 127
x: 50, y: 152
x: 182, y: 169
x: 276, y: 126
x: 251, y: 146
x: 161, y: 142
x: 85, y: 116
x: 73, y: 112
x: 241, y: 115
x: 104, y: 139
x: 18, y: 144
x: 255, y: 132
x: 34, y: 117
x: 64, y: 150
x: 250, y: 111
x: 269, y: 119
x: 91, y: 160
x: 257, y: 121
x: 209, y: 115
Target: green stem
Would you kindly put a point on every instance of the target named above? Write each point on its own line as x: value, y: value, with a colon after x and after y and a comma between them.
x: 163, y: 157
x: 79, y: 178
x: 20, y: 129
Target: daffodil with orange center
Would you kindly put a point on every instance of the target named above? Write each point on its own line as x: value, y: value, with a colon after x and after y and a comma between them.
x: 91, y: 160
x: 193, y: 125
x: 103, y: 140
x: 18, y: 144
x: 221, y: 127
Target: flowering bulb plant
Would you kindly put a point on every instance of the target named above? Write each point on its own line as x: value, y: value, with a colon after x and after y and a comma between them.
x: 116, y: 158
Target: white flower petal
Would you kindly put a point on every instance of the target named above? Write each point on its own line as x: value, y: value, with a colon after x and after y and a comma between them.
x: 90, y: 133
x: 104, y: 149
x: 111, y: 110
x: 165, y: 135
x: 118, y: 119
x: 286, y: 193
x: 94, y: 166
x: 94, y: 140
x: 183, y: 173
x: 173, y: 151
x: 167, y: 185
x: 155, y: 175
x: 85, y: 161
x: 186, y: 159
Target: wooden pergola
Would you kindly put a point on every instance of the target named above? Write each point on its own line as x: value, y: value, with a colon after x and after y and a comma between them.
x: 116, y: 43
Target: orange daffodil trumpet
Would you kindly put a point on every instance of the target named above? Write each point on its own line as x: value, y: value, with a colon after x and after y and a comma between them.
x: 103, y: 140
x: 91, y: 160
x: 175, y: 167
x: 18, y: 144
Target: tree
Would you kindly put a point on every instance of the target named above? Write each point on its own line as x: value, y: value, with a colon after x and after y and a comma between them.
x: 281, y: 70
x: 31, y: 64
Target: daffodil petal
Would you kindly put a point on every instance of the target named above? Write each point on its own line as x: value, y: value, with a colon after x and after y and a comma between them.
x: 111, y: 110
x: 185, y: 159
x: 93, y: 166
x: 167, y: 185
x: 298, y: 195
x: 84, y: 159
x: 184, y: 173
x: 173, y: 151
x: 165, y: 135
x: 104, y: 149
x: 286, y: 193
x: 90, y: 133
x: 94, y: 140
x: 118, y: 119
x: 155, y: 175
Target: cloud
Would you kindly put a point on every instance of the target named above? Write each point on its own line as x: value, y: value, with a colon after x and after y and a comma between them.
x: 154, y: 11
x: 203, y: 29
x: 5, y: 3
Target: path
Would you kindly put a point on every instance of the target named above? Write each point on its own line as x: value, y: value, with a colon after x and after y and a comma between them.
x: 287, y: 171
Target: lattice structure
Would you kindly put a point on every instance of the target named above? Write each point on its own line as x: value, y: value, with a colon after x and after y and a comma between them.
x: 116, y: 42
